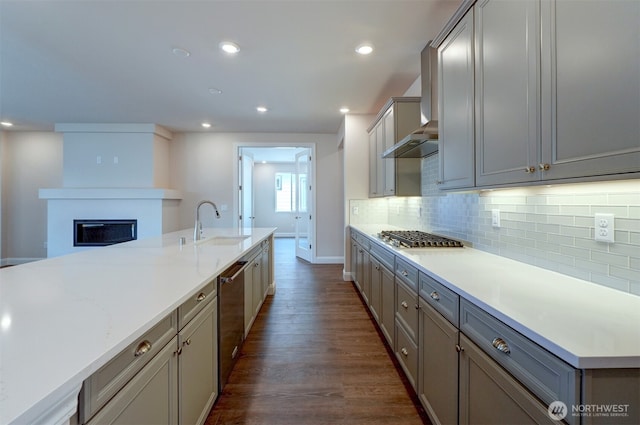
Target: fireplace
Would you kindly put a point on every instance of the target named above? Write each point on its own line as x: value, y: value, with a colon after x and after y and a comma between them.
x: 103, y: 232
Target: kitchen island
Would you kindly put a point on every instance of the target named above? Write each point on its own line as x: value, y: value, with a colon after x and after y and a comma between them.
x: 63, y: 318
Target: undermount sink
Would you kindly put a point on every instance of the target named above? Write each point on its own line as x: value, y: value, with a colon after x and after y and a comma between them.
x: 222, y: 239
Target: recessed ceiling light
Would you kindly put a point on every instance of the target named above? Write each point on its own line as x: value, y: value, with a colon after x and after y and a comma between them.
x: 214, y: 90
x: 364, y: 49
x: 206, y: 125
x: 262, y: 109
x: 179, y: 51
x: 344, y: 110
x: 6, y: 124
x: 229, y: 47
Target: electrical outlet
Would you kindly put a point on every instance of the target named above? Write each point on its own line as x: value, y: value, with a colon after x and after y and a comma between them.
x: 605, y: 229
x: 495, y: 218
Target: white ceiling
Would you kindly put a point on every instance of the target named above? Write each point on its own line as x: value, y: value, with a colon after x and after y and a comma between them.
x: 107, y: 61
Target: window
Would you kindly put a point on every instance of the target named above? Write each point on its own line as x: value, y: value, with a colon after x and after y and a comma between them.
x: 285, y: 192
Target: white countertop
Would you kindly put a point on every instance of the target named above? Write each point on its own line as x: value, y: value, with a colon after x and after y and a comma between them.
x: 585, y: 324
x: 63, y: 318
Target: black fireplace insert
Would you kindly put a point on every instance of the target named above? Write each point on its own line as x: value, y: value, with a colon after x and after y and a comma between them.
x: 103, y: 232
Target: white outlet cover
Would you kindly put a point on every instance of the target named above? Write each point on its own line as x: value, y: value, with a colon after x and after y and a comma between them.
x: 495, y: 217
x: 604, y: 228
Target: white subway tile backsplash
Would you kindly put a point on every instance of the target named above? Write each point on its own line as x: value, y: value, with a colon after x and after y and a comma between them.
x: 547, y: 226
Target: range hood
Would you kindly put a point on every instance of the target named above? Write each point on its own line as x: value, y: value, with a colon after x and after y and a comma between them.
x: 424, y: 140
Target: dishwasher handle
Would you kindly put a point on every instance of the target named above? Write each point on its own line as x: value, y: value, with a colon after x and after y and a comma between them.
x: 233, y: 272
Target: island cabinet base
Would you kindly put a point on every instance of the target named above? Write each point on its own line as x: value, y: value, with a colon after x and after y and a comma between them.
x: 610, y: 396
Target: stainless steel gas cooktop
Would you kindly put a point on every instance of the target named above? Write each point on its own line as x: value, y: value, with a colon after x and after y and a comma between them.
x: 417, y: 239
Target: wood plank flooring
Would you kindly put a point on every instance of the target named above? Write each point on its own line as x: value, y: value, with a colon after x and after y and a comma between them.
x: 314, y: 357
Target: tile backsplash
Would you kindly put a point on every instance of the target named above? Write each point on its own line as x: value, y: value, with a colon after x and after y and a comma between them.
x: 547, y: 226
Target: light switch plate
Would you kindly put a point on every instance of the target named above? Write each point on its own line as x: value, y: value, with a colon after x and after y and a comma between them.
x: 605, y: 229
x: 495, y: 218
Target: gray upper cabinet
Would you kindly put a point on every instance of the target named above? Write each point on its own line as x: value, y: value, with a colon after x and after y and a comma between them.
x: 507, y: 84
x: 555, y: 86
x: 455, y: 104
x: 591, y: 88
x: 394, y: 176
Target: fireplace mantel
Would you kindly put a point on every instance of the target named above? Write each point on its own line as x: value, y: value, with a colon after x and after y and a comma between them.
x: 109, y: 193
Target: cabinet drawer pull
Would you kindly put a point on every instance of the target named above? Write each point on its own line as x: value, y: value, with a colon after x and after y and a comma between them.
x: 544, y: 167
x: 404, y: 304
x: 404, y: 273
x: 404, y: 352
x: 459, y: 349
x: 142, y: 348
x: 187, y: 342
x: 501, y: 345
x: 530, y: 169
x: 435, y: 296
x: 201, y: 296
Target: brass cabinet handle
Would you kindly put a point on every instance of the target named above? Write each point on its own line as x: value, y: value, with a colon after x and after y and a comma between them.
x: 501, y: 345
x: 435, y: 296
x: 530, y: 169
x: 142, y: 348
x: 187, y: 342
x: 404, y: 304
x: 201, y: 296
x: 544, y: 167
x: 404, y: 352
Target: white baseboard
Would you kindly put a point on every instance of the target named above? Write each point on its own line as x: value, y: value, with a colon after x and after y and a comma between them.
x: 329, y: 260
x: 17, y: 261
x: 347, y: 276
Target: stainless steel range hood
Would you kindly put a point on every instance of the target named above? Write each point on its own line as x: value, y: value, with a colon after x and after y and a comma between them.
x: 424, y: 140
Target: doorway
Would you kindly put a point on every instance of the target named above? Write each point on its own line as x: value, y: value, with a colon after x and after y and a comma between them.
x: 275, y: 189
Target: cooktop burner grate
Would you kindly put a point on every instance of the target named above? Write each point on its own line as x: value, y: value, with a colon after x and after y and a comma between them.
x: 416, y: 239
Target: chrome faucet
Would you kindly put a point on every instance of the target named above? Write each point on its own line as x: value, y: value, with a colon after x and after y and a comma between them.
x: 197, y: 230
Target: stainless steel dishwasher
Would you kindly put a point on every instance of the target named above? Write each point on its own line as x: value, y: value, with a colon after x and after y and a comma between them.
x: 231, y: 295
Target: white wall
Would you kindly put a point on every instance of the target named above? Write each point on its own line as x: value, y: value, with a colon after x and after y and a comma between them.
x: 32, y: 160
x: 265, y: 198
x: 202, y: 167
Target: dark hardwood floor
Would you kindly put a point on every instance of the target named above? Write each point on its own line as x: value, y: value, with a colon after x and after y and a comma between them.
x: 314, y: 356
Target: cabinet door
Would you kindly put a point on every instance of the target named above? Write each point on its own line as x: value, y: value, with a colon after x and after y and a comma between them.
x: 248, y: 300
x: 380, y: 162
x: 198, y: 366
x: 388, y: 125
x: 387, y: 321
x: 375, y: 297
x: 455, y: 86
x: 266, y: 272
x: 438, y: 367
x: 354, y: 262
x: 373, y: 165
x: 257, y: 285
x: 507, y: 91
x: 151, y: 397
x: 364, y: 267
x: 591, y: 88
x: 489, y: 395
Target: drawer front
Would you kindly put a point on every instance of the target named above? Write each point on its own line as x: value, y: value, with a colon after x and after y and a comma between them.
x: 191, y: 307
x: 407, y: 309
x: 541, y: 372
x: 407, y: 273
x: 384, y: 256
x: 100, y: 387
x: 443, y: 299
x: 407, y: 354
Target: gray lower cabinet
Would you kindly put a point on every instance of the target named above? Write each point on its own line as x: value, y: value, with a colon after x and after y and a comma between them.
x: 151, y: 397
x: 198, y: 366
x: 489, y: 395
x: 375, y: 297
x: 438, y: 366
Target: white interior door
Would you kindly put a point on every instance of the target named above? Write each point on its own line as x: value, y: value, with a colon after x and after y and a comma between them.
x: 246, y: 190
x: 304, y: 207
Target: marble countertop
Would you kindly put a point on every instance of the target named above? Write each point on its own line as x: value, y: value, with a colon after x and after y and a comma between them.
x: 63, y: 318
x: 585, y: 324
